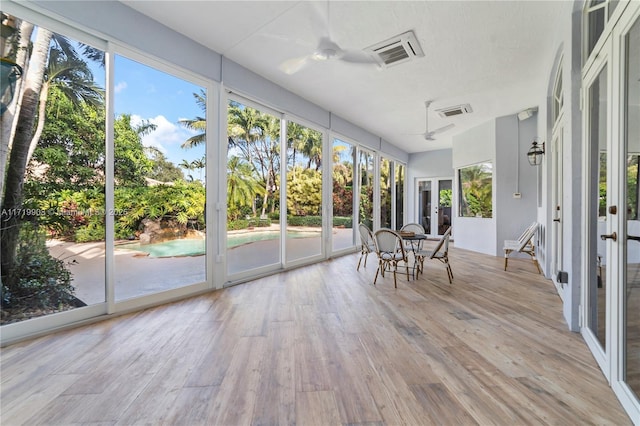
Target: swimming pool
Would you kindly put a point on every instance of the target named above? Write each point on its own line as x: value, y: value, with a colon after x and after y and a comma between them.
x: 196, y: 246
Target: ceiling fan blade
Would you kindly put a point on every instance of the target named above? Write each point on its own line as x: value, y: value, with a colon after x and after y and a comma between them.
x: 357, y: 57
x: 442, y: 129
x: 292, y: 66
x: 430, y: 135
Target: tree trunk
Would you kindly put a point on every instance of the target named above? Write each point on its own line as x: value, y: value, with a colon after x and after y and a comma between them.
x: 12, y: 202
x: 8, y: 125
x: 42, y: 108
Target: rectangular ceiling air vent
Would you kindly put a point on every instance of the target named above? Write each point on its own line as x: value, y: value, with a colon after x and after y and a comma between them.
x: 396, y: 50
x: 455, y: 110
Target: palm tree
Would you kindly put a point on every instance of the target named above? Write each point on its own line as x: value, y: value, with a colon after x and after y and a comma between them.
x: 187, y: 165
x: 198, y: 124
x: 199, y: 164
x: 72, y: 76
x: 53, y: 62
x: 242, y: 185
x: 256, y: 135
x: 12, y: 200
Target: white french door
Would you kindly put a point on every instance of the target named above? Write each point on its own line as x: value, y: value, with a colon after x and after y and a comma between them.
x: 435, y: 204
x: 558, y: 183
x: 611, y: 249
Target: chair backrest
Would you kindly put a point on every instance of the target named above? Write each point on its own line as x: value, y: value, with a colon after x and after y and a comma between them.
x: 525, y: 233
x: 366, y: 236
x: 413, y: 227
x: 388, y: 243
x: 443, y: 244
x: 528, y: 235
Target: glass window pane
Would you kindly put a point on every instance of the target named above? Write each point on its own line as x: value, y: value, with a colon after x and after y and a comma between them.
x: 445, y: 199
x: 596, y: 19
x: 424, y: 204
x: 304, y: 192
x: 343, y: 155
x: 632, y: 141
x: 385, y: 193
x: 365, y: 166
x: 476, y: 190
x: 160, y: 180
x: 53, y: 211
x: 253, y: 188
x: 597, y: 116
x: 399, y: 182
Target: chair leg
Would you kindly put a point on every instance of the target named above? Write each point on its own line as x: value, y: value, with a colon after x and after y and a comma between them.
x: 365, y: 259
x: 395, y: 281
x: 506, y: 258
x: 360, y: 260
x: 377, y: 270
x: 449, y: 273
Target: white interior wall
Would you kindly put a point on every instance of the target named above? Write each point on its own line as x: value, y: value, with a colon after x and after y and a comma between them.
x: 472, y: 147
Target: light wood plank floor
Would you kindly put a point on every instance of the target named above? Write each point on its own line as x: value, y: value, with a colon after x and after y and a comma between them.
x: 321, y: 345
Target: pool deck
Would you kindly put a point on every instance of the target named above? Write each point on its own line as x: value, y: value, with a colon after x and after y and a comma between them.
x: 136, y: 274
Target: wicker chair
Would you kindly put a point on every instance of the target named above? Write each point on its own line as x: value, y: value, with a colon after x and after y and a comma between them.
x: 390, y: 251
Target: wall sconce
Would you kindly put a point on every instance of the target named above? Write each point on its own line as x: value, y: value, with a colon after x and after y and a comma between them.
x: 535, y: 153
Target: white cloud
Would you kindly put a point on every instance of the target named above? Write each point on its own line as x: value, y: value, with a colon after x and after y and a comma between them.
x: 120, y: 86
x: 167, y: 137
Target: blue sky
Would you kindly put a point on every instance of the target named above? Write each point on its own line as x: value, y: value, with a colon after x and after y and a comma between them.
x: 162, y: 99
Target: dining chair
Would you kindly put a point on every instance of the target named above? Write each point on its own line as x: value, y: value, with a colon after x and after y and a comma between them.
x: 390, y: 251
x: 416, y: 228
x: 413, y: 227
x: 440, y: 253
x: 368, y: 245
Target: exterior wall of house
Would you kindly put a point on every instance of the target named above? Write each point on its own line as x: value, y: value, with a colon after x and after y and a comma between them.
x: 513, y: 174
x: 568, y: 56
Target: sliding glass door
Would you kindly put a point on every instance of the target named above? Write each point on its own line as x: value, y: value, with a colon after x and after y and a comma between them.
x: 159, y: 174
x: 253, y: 188
x: 304, y: 192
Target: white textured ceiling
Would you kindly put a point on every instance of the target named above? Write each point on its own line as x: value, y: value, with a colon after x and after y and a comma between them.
x: 494, y: 55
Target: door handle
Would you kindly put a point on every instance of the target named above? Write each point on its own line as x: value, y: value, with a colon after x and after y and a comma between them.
x: 556, y: 219
x: 633, y: 238
x: 613, y: 236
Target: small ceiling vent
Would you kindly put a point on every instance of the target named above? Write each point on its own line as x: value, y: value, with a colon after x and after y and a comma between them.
x: 455, y: 110
x: 396, y: 50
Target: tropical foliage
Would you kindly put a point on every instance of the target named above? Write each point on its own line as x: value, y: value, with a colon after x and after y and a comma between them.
x: 53, y: 168
x: 476, y: 190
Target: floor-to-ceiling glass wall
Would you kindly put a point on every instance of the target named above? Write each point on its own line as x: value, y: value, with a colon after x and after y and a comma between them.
x: 304, y: 192
x: 253, y: 188
x: 52, y: 171
x: 159, y: 175
x: 343, y: 187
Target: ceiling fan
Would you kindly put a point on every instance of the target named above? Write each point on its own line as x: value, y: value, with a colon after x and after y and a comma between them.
x: 326, y: 50
x: 429, y: 134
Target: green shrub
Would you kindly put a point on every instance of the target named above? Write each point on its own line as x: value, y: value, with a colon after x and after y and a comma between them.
x: 346, y: 222
x: 304, y: 220
x: 39, y: 280
x: 234, y: 225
